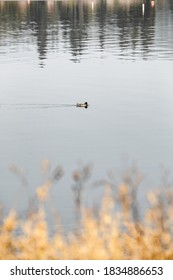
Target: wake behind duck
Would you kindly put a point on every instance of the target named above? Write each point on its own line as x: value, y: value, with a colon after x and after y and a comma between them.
x: 44, y: 105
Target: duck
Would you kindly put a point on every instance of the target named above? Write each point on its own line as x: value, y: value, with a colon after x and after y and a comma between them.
x: 84, y: 105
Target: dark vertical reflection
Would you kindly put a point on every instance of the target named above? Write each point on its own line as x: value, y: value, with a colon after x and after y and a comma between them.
x: 136, y: 27
x: 101, y: 17
x: 148, y: 28
x: 38, y: 14
x: 74, y: 18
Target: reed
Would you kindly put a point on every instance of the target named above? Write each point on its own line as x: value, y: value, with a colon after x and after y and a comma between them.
x: 116, y: 231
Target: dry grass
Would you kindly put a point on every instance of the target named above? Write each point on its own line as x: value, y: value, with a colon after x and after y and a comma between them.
x: 109, y: 234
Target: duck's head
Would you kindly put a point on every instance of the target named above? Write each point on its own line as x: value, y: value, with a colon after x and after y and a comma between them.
x: 86, y: 104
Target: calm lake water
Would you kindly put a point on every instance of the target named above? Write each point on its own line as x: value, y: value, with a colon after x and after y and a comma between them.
x: 116, y: 55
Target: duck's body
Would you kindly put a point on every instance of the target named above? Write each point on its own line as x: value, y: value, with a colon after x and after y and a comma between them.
x: 84, y: 105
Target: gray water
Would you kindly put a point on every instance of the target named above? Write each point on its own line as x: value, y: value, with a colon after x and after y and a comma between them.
x: 53, y: 54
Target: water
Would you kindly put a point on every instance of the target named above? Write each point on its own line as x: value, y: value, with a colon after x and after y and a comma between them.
x: 118, y: 57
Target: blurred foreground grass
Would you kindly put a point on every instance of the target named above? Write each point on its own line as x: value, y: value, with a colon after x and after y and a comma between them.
x: 115, y: 232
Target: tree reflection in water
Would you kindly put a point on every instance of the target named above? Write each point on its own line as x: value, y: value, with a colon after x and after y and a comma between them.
x: 82, y: 27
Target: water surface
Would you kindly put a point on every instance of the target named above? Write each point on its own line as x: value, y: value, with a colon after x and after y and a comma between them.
x: 117, y: 56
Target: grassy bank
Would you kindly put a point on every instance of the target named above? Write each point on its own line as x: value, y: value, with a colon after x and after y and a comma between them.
x: 107, y: 234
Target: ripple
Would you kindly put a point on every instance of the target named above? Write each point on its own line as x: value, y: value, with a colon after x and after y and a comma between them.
x: 120, y: 33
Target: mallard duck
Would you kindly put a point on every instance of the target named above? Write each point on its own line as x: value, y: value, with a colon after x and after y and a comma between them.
x: 84, y: 105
